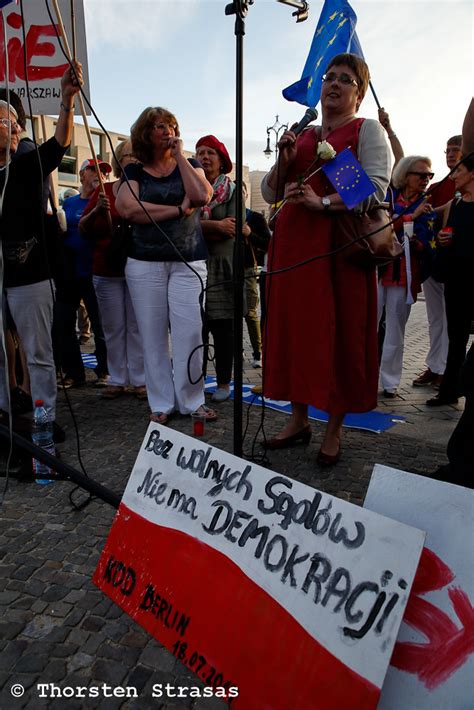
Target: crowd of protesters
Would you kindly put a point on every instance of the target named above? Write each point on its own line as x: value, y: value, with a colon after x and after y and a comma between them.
x: 150, y: 255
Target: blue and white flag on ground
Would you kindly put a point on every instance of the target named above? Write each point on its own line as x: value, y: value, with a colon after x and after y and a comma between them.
x: 334, y: 34
x: 348, y: 178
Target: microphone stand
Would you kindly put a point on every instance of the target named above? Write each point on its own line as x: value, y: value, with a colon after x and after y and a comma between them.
x: 64, y: 471
x: 239, y: 8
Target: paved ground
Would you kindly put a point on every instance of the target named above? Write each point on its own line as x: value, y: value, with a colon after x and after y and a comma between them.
x: 56, y: 627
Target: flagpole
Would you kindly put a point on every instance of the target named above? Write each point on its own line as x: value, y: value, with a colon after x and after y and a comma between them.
x: 83, y: 110
x: 52, y: 187
x: 374, y: 95
x: 73, y: 30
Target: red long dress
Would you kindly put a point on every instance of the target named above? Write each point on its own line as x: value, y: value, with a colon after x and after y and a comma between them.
x: 321, y: 329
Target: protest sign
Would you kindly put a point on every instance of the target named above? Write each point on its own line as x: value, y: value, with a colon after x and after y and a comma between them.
x: 432, y: 664
x: 45, y: 63
x: 256, y: 581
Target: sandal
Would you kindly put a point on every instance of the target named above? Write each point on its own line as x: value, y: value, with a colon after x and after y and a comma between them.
x: 159, y: 417
x: 140, y: 392
x: 208, y: 414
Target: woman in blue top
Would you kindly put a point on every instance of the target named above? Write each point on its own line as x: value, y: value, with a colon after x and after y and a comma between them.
x: 166, y: 268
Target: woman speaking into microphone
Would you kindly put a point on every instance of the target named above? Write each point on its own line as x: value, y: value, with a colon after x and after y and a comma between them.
x: 321, y: 331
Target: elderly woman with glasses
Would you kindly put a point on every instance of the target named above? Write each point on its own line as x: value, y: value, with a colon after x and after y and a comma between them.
x: 320, y: 338
x: 400, y: 282
x: 166, y: 267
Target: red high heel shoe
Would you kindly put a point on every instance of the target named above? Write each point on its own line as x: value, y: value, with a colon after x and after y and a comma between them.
x: 304, y: 435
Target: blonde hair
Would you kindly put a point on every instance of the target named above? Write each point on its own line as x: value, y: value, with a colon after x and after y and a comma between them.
x: 402, y: 168
x: 117, y: 158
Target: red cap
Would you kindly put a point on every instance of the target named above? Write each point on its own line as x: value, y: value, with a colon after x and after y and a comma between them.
x: 215, y: 143
x: 103, y: 166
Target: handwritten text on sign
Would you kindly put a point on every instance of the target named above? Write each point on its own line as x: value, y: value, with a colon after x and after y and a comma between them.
x: 45, y: 63
x: 280, y: 569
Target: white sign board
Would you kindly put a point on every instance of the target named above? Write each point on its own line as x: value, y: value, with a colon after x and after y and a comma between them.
x: 258, y: 566
x: 45, y: 61
x: 433, y: 662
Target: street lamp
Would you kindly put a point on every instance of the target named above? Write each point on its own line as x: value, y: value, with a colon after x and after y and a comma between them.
x: 277, y: 128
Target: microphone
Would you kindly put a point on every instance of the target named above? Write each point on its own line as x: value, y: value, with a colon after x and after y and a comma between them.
x: 310, y: 115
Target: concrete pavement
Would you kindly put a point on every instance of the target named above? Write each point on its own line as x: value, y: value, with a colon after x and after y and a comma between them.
x: 57, y: 628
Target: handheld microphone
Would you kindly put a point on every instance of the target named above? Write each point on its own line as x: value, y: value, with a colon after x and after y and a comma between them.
x: 310, y: 115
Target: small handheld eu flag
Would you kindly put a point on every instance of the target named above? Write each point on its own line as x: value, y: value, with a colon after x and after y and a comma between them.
x: 349, y: 178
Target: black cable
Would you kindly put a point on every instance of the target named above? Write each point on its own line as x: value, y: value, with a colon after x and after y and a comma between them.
x: 315, y: 258
x: 135, y: 196
x: 156, y: 225
x: 262, y: 457
x: 48, y: 265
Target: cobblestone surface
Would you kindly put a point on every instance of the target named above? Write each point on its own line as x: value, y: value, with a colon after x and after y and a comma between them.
x: 56, y: 627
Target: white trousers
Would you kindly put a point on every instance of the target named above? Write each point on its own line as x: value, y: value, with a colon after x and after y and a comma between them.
x: 437, y: 325
x: 122, y: 338
x: 32, y: 310
x: 165, y: 297
x: 396, y: 316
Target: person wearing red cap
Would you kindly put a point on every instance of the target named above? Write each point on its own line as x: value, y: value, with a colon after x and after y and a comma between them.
x: 166, y: 266
x: 218, y: 226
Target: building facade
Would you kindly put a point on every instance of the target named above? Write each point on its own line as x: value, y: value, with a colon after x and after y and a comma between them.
x: 67, y: 175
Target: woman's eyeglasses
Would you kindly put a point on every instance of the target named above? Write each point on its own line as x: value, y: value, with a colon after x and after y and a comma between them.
x: 8, y: 122
x: 164, y: 127
x: 342, y: 78
x: 422, y: 176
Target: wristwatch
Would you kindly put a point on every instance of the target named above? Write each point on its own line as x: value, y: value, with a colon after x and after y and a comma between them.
x: 326, y: 202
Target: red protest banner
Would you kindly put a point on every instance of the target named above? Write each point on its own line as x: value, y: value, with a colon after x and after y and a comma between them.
x: 261, y: 585
x: 45, y: 63
x: 430, y: 664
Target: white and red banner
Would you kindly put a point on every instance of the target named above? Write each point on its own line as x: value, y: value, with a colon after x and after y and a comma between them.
x: 45, y: 63
x: 433, y: 661
x: 257, y: 581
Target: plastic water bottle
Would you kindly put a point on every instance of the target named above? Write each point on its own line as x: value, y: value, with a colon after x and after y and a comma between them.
x: 42, y: 435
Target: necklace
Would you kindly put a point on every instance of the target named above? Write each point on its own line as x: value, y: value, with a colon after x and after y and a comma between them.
x: 326, y: 130
x: 159, y: 171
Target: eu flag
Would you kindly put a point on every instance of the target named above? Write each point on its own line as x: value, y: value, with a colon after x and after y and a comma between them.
x: 334, y: 34
x: 348, y: 178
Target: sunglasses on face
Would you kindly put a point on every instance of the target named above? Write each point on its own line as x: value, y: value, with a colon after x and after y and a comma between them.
x: 342, y: 78
x: 422, y: 176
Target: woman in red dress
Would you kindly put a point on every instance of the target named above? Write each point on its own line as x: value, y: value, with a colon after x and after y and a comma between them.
x: 321, y: 332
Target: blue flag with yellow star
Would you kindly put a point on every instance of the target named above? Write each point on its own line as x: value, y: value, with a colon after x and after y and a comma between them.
x: 349, y: 178
x: 334, y: 34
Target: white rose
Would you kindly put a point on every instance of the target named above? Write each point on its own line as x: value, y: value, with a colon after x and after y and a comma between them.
x: 326, y: 151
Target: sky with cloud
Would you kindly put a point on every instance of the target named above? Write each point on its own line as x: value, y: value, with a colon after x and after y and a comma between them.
x: 181, y: 54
